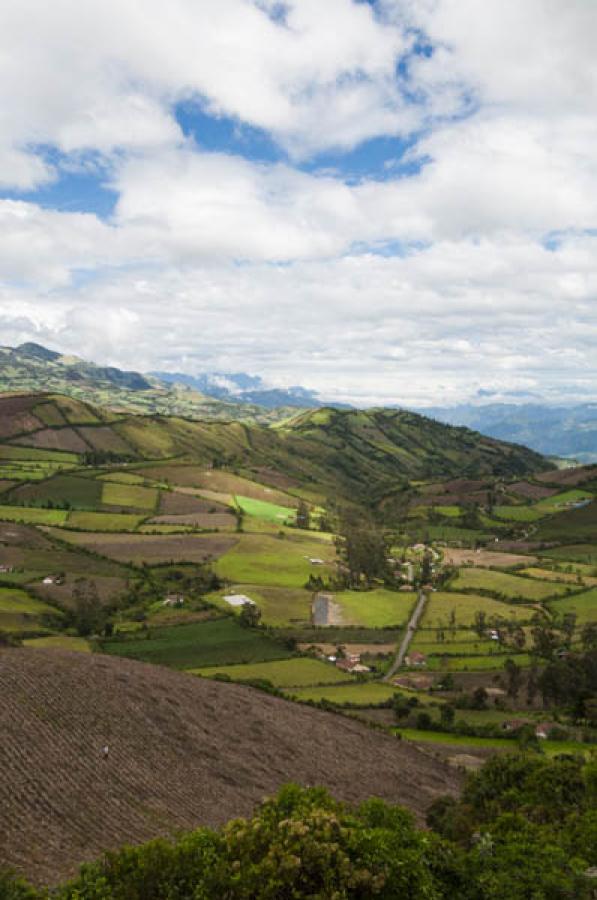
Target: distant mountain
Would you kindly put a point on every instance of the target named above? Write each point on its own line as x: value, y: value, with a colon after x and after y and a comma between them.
x: 246, y: 388
x: 31, y: 368
x: 569, y: 431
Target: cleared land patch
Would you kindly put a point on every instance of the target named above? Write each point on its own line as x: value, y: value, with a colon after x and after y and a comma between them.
x: 261, y: 559
x: 375, y: 609
x: 279, y: 606
x: 442, y: 604
x: 486, y: 558
x: 152, y: 548
x: 265, y: 510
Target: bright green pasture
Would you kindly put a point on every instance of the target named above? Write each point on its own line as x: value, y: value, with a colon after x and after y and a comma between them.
x: 265, y: 510
x: 375, y: 609
x: 584, y: 605
x: 32, y: 515
x: 59, y: 642
x: 261, y: 559
x: 99, y: 521
x: 517, y: 513
x: 115, y: 494
x: 558, y: 502
x: 465, y: 641
x: 299, y: 672
x: 513, y: 587
x: 212, y: 643
x: 366, y: 693
x: 440, y: 606
x: 451, y: 512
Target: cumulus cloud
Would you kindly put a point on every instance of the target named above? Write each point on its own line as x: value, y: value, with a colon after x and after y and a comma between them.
x: 473, y: 269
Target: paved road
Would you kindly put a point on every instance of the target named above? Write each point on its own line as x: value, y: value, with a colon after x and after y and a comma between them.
x: 408, y: 636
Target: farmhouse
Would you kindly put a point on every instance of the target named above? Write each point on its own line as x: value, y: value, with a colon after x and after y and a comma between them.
x: 173, y: 600
x: 544, y: 729
x: 53, y: 579
x: 238, y: 600
x: 514, y: 724
x: 416, y: 659
x: 5, y: 569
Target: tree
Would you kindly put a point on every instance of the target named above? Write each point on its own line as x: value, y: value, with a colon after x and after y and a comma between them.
x: 480, y: 622
x: 250, y: 615
x: 303, y: 518
x: 447, y: 714
x: 87, y: 612
x: 514, y: 678
x: 363, y: 547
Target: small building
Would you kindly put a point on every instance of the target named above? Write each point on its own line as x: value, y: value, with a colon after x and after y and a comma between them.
x: 416, y: 659
x: 511, y: 725
x: 4, y: 570
x: 315, y: 561
x: 544, y: 729
x: 493, y: 634
x: 238, y: 600
x: 173, y: 600
x: 50, y: 579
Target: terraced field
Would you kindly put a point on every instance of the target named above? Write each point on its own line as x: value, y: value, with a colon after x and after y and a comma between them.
x: 284, y: 673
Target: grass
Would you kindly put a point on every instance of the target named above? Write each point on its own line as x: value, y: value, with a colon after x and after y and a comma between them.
x: 14, y: 600
x: 122, y: 477
x: 100, y: 521
x: 440, y: 606
x: 559, y: 502
x: 117, y: 494
x: 375, y: 609
x: 262, y: 509
x: 584, y: 553
x: 32, y: 453
x: 517, y: 513
x: 279, y: 606
x: 212, y: 643
x: 574, y: 578
x: 261, y: 559
x: 367, y: 693
x: 298, y: 672
x: 512, y: 587
x: 79, y: 493
x: 59, y: 642
x: 552, y: 748
x: 33, y: 515
x: 489, y: 662
x: 584, y: 605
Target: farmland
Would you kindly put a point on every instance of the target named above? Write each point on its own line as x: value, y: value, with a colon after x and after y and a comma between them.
x: 212, y: 643
x: 281, y: 673
x: 506, y: 586
x: 443, y: 605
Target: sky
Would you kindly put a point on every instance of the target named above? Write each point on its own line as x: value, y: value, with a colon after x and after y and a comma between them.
x: 388, y: 202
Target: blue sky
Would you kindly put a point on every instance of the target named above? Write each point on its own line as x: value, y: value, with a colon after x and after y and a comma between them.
x: 386, y: 201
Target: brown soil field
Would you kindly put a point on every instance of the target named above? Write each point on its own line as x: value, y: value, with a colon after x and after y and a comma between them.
x: 18, y: 423
x: 151, y: 548
x: 103, y: 437
x: 462, y: 557
x: 217, y: 480
x: 273, y: 478
x: 183, y: 752
x: 14, y: 535
x: 108, y: 588
x: 5, y: 484
x: 55, y: 439
x: 568, y: 477
x: 202, y: 520
x: 175, y: 503
x: 531, y: 491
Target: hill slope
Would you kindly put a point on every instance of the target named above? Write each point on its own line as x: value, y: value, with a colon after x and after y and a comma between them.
x: 359, y: 454
x: 183, y: 751
x: 31, y: 367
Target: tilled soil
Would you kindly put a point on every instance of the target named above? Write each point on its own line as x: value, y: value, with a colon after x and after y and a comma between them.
x: 183, y: 751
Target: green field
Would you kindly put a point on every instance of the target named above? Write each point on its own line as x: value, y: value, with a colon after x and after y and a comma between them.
x: 367, y: 693
x: 298, y: 672
x: 512, y: 587
x: 14, y: 600
x: 488, y: 662
x: 32, y: 453
x: 32, y: 515
x: 122, y: 477
x: 77, y: 492
x: 584, y: 605
x: 261, y: 509
x: 279, y: 606
x: 517, y: 513
x: 440, y: 606
x: 261, y: 559
x: 559, y: 502
x: 212, y: 643
x: 375, y: 609
x: 583, y: 553
x: 59, y: 642
x: 552, y: 748
x: 100, y: 521
x: 117, y: 494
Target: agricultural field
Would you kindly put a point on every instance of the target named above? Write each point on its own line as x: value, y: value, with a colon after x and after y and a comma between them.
x: 262, y: 509
x: 517, y: 513
x: 583, y: 605
x: 285, y: 673
x: 149, y: 548
x: 33, y: 515
x: 61, y: 490
x: 103, y: 521
x: 260, y: 559
x: 212, y: 643
x: 280, y: 606
x: 582, y: 553
x: 442, y: 605
x: 458, y: 556
x: 129, y: 495
x: 375, y: 609
x: 563, y: 501
x: 360, y: 694
x: 509, y: 587
x: 58, y: 642
x: 577, y: 579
